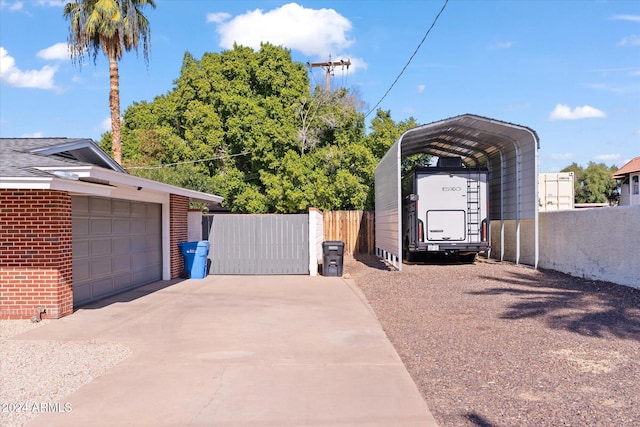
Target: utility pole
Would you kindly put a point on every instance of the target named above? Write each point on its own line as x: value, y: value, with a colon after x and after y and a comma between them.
x: 329, y: 66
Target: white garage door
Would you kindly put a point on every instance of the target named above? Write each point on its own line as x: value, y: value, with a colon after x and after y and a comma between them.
x: 117, y: 245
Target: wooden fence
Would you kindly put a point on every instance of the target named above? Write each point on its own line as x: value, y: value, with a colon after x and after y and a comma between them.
x: 354, y: 228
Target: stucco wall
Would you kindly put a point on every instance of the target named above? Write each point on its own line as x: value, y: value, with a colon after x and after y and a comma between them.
x: 316, y: 236
x: 598, y: 244
x: 194, y: 225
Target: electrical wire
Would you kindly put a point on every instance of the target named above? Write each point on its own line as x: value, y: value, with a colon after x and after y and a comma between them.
x: 190, y: 161
x: 410, y: 59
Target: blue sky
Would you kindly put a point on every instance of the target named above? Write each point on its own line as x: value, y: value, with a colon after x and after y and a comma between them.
x: 568, y: 69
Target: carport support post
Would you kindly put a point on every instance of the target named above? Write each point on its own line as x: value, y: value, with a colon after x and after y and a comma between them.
x: 503, y: 171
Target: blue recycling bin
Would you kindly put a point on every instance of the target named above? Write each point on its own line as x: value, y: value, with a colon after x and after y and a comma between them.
x: 195, y: 258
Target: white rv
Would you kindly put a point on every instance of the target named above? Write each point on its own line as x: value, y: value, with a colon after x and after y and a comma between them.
x: 445, y: 210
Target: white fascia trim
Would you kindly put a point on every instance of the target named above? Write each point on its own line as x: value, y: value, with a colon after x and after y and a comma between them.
x: 115, y: 177
x: 24, y: 183
x: 72, y: 186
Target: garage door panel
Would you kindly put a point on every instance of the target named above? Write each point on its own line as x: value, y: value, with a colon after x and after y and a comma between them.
x: 138, y: 261
x: 121, y: 245
x: 141, y: 276
x: 139, y: 210
x: 80, y: 272
x: 80, y: 248
x: 117, y: 245
x: 99, y: 206
x: 121, y: 263
x: 100, y: 226
x: 82, y: 292
x: 100, y: 266
x: 121, y: 208
x: 153, y: 258
x: 99, y: 247
x: 138, y: 244
x: 80, y: 226
x: 122, y: 280
x: 138, y: 225
x: 102, y: 287
x: 121, y: 226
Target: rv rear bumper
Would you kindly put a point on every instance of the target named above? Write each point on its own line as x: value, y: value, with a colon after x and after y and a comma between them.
x: 449, y: 247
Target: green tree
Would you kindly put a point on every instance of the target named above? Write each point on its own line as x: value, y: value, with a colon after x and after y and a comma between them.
x: 113, y: 27
x: 593, y: 184
x: 249, y: 122
x: 384, y: 132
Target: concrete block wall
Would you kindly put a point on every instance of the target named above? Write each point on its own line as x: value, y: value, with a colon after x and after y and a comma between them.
x: 597, y: 244
x: 35, y: 254
x: 179, y: 230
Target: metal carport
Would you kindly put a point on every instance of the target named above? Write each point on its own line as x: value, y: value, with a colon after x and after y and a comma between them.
x: 509, y: 151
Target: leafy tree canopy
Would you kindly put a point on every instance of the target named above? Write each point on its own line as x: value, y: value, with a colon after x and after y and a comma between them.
x: 244, y: 124
x: 593, y: 184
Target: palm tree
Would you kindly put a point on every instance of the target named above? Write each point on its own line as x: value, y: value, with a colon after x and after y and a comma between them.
x: 113, y: 26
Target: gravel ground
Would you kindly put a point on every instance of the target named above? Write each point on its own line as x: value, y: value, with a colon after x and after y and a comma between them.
x: 488, y: 344
x: 495, y: 344
x: 36, y: 376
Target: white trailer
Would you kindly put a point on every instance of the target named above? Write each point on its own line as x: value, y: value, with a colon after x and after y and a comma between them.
x: 445, y: 210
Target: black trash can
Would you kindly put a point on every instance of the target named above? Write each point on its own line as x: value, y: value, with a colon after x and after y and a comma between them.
x: 332, y: 258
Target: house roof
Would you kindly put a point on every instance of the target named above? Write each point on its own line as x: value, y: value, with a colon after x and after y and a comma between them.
x: 76, y: 165
x: 21, y: 157
x: 630, y: 167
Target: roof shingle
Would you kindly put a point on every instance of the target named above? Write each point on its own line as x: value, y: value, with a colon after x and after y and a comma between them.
x: 630, y: 167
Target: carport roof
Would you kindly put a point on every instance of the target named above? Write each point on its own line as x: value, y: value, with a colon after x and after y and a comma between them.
x: 469, y: 136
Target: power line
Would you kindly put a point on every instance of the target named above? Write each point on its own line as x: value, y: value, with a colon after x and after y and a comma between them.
x: 410, y: 59
x: 190, y: 161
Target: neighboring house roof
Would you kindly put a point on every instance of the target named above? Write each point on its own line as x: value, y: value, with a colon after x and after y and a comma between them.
x: 630, y: 167
x: 73, y: 164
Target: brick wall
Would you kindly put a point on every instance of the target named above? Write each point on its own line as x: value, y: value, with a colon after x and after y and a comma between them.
x: 35, y: 254
x: 179, y: 206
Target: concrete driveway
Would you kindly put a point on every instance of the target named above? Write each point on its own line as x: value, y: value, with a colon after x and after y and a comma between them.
x: 240, y: 351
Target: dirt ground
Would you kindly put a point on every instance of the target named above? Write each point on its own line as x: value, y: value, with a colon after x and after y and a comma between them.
x: 495, y: 344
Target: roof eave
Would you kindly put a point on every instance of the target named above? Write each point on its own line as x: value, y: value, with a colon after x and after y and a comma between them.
x: 122, y: 179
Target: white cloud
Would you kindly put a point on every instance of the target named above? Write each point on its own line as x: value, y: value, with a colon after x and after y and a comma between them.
x: 607, y: 157
x: 420, y: 88
x: 613, y: 89
x: 502, y: 45
x: 13, y: 76
x: 54, y: 3
x: 58, y: 51
x: 12, y: 7
x: 564, y: 112
x: 105, y: 125
x: 31, y: 135
x: 631, y: 40
x: 217, y: 17
x: 314, y: 32
x: 562, y: 156
x: 632, y: 18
